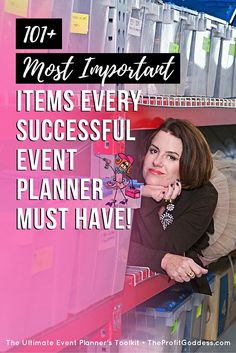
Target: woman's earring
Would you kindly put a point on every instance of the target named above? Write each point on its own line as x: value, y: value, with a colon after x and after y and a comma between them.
x: 167, y: 218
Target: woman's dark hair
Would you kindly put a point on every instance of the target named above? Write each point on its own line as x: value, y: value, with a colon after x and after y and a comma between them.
x: 196, y: 160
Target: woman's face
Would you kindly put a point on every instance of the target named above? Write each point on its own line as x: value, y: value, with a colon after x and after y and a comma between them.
x: 161, y: 163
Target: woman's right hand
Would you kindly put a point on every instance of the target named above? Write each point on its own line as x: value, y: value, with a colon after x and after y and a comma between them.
x: 157, y: 192
x: 181, y: 268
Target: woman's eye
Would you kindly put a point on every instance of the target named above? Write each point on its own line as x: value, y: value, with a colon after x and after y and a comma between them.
x: 172, y: 158
x: 152, y: 150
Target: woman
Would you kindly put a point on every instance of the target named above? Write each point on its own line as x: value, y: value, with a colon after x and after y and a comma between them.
x: 170, y: 228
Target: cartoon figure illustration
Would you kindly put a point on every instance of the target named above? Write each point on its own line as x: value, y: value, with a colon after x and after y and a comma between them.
x: 121, y: 179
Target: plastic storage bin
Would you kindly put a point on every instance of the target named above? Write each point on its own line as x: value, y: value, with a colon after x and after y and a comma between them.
x: 196, y: 318
x: 40, y: 9
x: 225, y: 70
x: 173, y: 34
x: 36, y: 269
x: 217, y: 33
x: 153, y: 14
x: 159, y: 323
x: 87, y: 40
x: 100, y: 264
x: 204, y: 56
x: 99, y: 269
x: 135, y: 18
x: 63, y: 9
x: 82, y: 21
x: 231, y: 317
x: 233, y: 51
x: 217, y: 306
x: 93, y: 268
x: 123, y: 239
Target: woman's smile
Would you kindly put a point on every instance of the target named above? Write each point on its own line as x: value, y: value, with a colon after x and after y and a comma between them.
x: 155, y: 171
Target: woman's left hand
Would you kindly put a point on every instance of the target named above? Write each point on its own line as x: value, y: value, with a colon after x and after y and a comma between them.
x: 173, y: 191
x: 181, y: 268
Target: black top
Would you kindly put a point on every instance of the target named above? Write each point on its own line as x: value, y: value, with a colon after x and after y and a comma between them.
x: 186, y: 235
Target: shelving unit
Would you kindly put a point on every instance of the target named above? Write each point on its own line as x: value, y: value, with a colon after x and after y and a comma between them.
x: 186, y: 102
x: 103, y: 318
x: 201, y: 111
x: 105, y: 314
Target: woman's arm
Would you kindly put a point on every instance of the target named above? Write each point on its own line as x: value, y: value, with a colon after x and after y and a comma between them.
x: 188, y: 228
x: 140, y: 255
x: 182, y: 234
x: 175, y: 266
